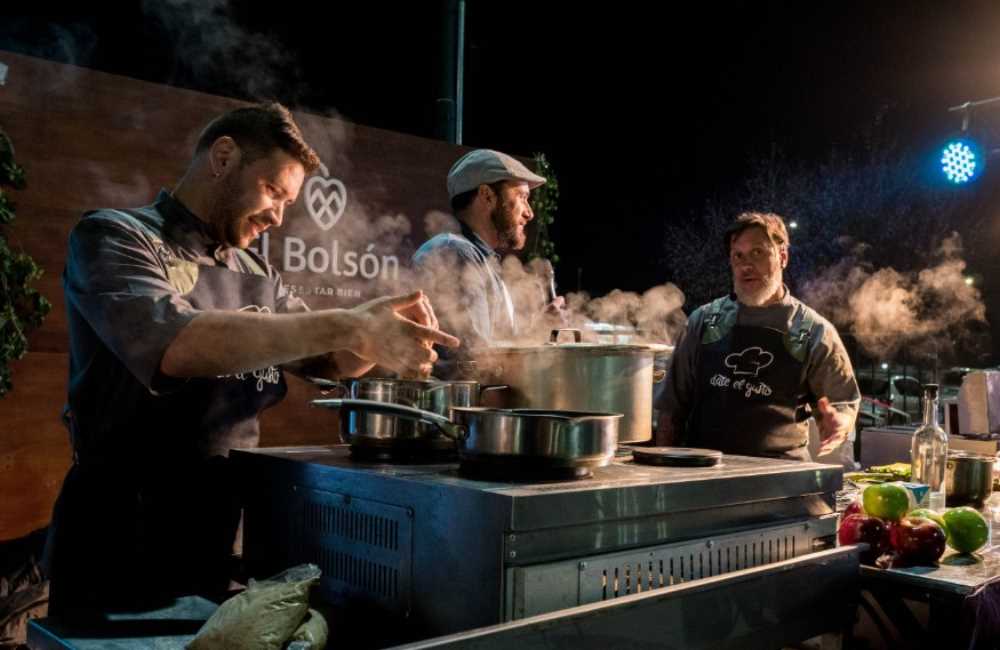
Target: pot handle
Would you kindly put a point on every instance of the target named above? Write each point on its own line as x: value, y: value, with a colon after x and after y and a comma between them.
x: 327, y: 386
x: 577, y: 334
x: 448, y: 428
x: 491, y: 387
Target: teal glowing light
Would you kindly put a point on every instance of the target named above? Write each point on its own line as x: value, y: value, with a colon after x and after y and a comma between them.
x: 961, y: 161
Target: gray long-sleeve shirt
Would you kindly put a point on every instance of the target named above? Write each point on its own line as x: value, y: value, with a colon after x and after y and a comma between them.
x: 461, y: 275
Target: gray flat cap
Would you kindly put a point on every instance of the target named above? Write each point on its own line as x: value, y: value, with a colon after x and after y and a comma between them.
x: 485, y: 166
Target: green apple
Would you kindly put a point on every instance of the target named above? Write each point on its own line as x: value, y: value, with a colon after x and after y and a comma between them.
x: 967, y: 529
x: 927, y: 513
x: 888, y: 501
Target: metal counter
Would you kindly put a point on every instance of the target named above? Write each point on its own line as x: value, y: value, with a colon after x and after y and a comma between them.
x: 422, y: 544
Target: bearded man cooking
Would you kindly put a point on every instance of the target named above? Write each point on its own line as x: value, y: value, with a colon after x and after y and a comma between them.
x: 489, y: 193
x: 179, y: 339
x: 753, y: 367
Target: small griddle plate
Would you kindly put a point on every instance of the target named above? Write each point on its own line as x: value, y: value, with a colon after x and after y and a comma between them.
x: 676, y: 456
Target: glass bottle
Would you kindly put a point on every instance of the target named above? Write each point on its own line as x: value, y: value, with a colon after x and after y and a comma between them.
x: 929, y: 450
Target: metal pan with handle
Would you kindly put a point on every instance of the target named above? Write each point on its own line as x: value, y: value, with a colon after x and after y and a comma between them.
x: 553, y: 438
x: 432, y: 395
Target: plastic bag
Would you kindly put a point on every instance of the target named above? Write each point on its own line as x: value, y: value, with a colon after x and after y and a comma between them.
x: 264, y: 616
x: 311, y: 635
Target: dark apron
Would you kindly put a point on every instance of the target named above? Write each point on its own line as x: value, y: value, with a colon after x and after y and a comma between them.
x: 751, y: 396
x: 159, y: 519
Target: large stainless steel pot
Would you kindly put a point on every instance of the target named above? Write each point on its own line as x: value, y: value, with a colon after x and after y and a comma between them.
x: 968, y: 478
x: 371, y: 428
x: 616, y: 378
x: 554, y: 438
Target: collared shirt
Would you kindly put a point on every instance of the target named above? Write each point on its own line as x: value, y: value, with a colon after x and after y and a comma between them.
x: 461, y: 274
x: 128, y: 282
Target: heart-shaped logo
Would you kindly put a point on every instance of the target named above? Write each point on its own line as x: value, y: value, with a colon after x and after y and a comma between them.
x: 326, y: 199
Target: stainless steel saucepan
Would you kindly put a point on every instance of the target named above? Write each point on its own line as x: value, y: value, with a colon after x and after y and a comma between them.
x: 555, y: 438
x: 378, y: 429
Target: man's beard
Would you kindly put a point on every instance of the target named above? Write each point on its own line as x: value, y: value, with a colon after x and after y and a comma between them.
x: 771, y: 286
x: 224, y: 213
x: 510, y: 237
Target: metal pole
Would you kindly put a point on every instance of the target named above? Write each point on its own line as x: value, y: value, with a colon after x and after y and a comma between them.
x: 451, y: 89
x: 979, y: 102
x: 966, y: 109
x: 459, y: 70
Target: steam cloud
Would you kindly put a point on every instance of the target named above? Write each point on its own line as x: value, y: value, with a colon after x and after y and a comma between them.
x: 208, y: 41
x: 886, y: 309
x: 654, y: 316
x: 437, y: 222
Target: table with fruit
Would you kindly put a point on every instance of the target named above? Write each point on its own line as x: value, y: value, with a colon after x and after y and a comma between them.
x: 940, y: 557
x: 881, y: 510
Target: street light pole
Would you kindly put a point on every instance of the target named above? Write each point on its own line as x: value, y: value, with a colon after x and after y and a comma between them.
x: 450, y: 98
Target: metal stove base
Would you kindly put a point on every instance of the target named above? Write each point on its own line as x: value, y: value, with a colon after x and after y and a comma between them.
x: 542, y: 588
x: 772, y: 606
x: 423, y: 545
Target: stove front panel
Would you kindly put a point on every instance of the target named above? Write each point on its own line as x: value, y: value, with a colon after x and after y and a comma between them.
x: 426, y: 545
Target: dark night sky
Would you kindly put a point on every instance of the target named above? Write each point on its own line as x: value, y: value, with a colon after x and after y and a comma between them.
x: 645, y: 114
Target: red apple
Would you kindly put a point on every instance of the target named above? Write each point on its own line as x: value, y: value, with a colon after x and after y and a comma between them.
x: 864, y: 529
x: 916, y: 541
x: 853, y: 508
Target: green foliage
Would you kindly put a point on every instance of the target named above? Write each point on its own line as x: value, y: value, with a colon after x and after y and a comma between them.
x: 22, y: 308
x: 544, y: 203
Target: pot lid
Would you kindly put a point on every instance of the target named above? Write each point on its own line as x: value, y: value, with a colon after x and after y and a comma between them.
x: 510, y: 346
x: 577, y: 343
x: 430, y: 382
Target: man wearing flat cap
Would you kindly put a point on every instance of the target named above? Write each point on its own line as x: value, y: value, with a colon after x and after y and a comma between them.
x: 489, y: 194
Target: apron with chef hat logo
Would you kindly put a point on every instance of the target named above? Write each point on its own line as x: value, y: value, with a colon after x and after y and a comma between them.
x: 751, y: 394
x: 161, y: 517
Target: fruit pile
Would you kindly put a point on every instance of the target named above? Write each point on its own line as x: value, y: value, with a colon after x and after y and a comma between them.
x: 899, y: 535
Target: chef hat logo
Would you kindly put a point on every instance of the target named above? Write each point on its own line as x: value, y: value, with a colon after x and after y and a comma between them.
x: 749, y: 361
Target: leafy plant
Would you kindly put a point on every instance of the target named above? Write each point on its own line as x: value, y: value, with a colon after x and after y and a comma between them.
x: 544, y: 203
x: 22, y: 308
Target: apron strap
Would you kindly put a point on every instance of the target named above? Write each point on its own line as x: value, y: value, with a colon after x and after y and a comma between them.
x: 721, y: 318
x: 250, y: 262
x: 799, y: 334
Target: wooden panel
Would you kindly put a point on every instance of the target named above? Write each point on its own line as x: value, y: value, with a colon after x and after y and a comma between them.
x: 34, y: 445
x: 88, y: 140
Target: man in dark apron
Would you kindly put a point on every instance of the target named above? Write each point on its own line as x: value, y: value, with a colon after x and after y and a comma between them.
x: 753, y: 367
x: 179, y: 336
